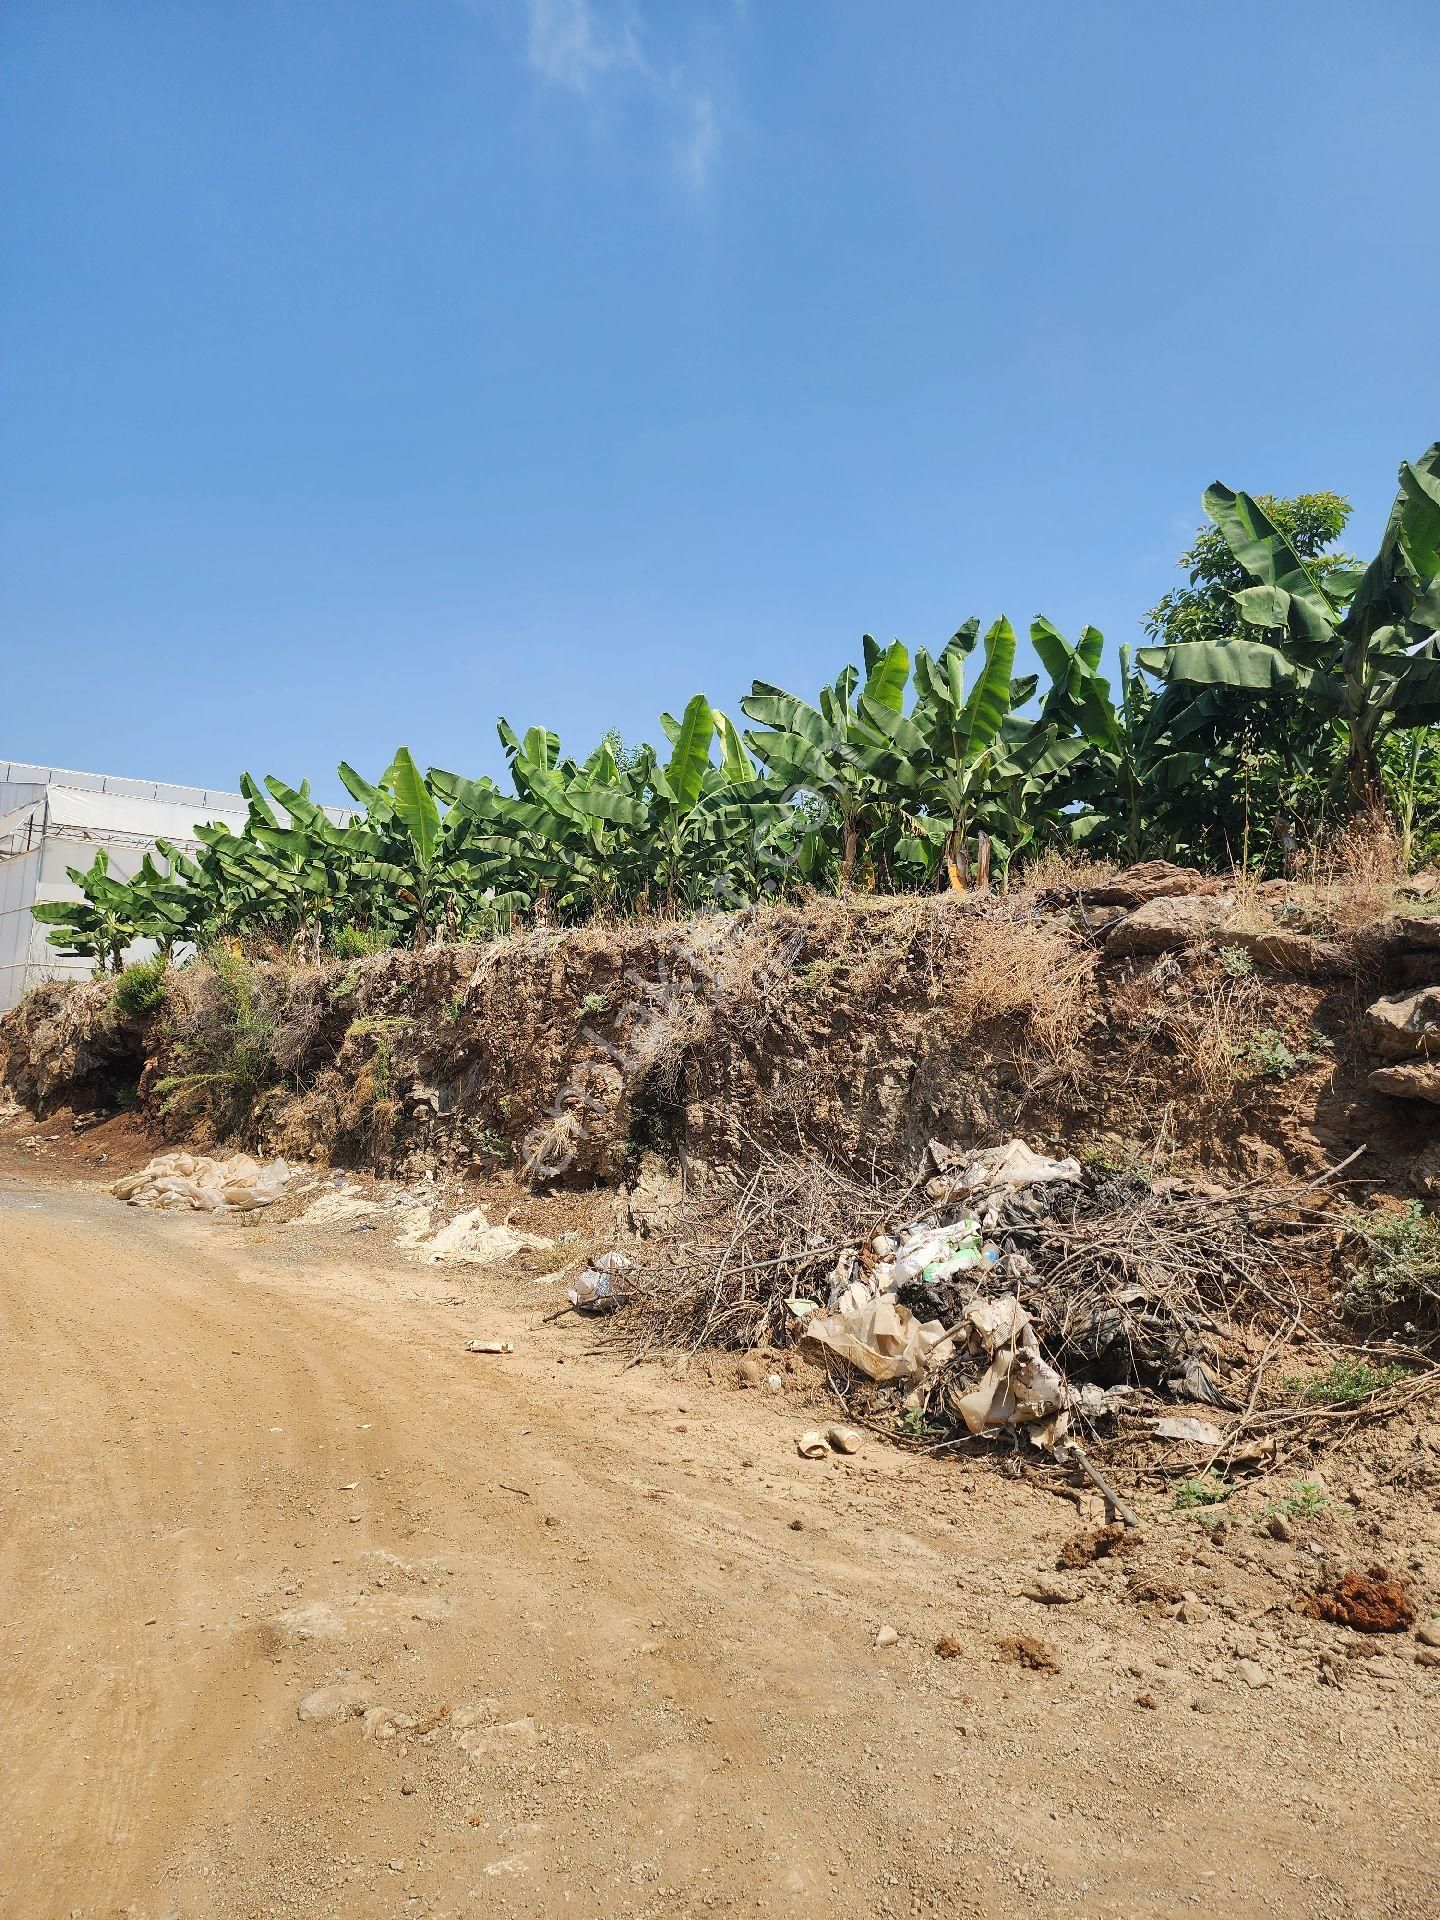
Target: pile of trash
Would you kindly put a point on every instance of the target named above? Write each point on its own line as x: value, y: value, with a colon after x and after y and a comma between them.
x: 969, y: 1280
x: 1034, y: 1298
x: 192, y: 1182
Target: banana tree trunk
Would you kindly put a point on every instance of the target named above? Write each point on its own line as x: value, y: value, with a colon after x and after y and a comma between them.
x: 849, y: 850
x: 957, y: 858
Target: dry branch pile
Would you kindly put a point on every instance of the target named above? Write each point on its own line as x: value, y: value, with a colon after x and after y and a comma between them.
x: 1139, y: 1294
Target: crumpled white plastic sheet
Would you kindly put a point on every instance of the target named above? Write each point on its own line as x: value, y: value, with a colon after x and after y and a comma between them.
x: 1019, y: 1388
x: 880, y: 1338
x: 176, y: 1182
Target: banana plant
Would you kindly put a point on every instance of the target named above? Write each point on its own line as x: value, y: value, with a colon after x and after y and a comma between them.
x: 1132, y: 762
x: 1360, y: 649
x: 838, y: 752
x: 101, y: 924
x: 950, y: 754
x: 432, y: 861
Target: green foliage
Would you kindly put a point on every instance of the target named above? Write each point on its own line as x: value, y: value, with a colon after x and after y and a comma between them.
x: 1398, y: 1273
x: 1236, y: 963
x: 1206, y: 609
x: 1289, y: 687
x: 1347, y: 1383
x: 359, y: 943
x: 227, y: 1050
x: 1307, y: 1498
x: 1206, y: 1489
x: 140, y: 989
x: 1355, y: 649
x: 1267, y: 1055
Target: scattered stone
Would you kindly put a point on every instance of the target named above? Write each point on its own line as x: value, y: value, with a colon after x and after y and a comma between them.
x: 1147, y: 1700
x: 1051, y: 1590
x: 1253, y: 1674
x: 1279, y: 1528
x: 1427, y: 1656
x: 886, y: 1637
x: 1193, y: 1611
x: 311, y: 1620
x: 947, y: 1647
x: 1420, y: 934
x: 1168, y: 924
x: 341, y: 1700
x: 1147, y: 880
x: 1428, y: 1633
x: 1400, y: 1025
x: 1414, y: 1080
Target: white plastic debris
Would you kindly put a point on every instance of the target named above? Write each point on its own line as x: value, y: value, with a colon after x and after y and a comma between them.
x: 1019, y: 1388
x: 986, y: 1179
x: 471, y: 1240
x: 193, y: 1182
x: 1199, y: 1433
x: 598, y: 1288
x: 880, y: 1338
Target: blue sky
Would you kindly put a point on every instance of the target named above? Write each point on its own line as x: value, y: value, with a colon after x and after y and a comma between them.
x: 372, y: 367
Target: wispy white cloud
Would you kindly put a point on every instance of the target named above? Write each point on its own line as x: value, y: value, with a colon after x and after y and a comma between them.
x: 574, y: 45
x: 695, y: 154
x: 569, y: 47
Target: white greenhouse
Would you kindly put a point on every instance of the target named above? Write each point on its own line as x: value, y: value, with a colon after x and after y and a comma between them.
x: 51, y: 819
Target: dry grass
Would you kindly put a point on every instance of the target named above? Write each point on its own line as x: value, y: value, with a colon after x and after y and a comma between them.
x: 743, y: 1247
x: 1012, y: 962
x: 1348, y: 881
x: 1062, y: 870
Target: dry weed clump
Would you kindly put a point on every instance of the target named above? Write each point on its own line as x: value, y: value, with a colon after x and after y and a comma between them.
x: 1010, y: 962
x: 1348, y: 882
x: 1064, y: 872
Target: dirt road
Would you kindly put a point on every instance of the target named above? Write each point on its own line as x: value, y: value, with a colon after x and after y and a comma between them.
x: 616, y: 1639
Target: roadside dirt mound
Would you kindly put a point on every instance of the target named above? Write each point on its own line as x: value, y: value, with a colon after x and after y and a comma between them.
x: 858, y: 1030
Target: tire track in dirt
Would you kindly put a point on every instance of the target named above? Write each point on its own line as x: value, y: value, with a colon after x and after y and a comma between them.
x: 631, y: 1682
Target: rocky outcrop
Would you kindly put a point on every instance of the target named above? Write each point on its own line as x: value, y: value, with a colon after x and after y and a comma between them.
x: 1169, y: 923
x: 1149, y: 880
x: 1401, y: 1025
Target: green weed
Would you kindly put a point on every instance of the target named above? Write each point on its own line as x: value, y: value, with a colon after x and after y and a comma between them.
x: 1204, y: 1490
x: 226, y: 1044
x: 139, y: 990
x: 359, y: 943
x: 1267, y: 1055
x: 1349, y: 1383
x: 1308, y: 1498
x: 1399, y: 1273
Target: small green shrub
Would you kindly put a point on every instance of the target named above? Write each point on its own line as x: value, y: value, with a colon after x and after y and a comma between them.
x: 1399, y: 1272
x: 1349, y: 1383
x: 1309, y: 1497
x: 915, y: 1426
x: 358, y: 943
x: 1236, y: 962
x: 1206, y: 1489
x: 226, y: 1044
x: 595, y: 1003
x: 139, y: 990
x: 1267, y: 1055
